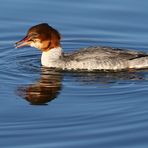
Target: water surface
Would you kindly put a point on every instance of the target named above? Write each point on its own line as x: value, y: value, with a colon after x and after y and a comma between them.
x: 45, y: 108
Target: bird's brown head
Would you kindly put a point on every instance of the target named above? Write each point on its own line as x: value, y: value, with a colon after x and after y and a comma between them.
x: 41, y: 36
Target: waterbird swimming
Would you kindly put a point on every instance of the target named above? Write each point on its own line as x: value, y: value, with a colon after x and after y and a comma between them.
x: 47, y: 39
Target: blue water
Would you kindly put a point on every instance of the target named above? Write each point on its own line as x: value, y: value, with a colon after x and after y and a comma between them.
x: 43, y: 108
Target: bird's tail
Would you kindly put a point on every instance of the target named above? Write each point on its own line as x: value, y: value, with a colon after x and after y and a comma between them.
x: 139, y: 63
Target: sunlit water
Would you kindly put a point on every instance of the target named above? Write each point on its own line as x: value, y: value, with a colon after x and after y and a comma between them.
x: 45, y: 108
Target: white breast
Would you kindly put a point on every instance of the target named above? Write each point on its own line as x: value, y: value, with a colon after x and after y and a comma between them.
x: 51, y: 57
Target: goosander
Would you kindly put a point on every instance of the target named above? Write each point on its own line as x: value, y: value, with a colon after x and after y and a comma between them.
x: 47, y: 39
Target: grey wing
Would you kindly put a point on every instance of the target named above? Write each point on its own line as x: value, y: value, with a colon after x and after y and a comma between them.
x: 105, y: 53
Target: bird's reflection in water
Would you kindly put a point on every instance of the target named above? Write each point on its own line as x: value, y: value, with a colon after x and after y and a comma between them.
x: 49, y: 85
x: 44, y: 90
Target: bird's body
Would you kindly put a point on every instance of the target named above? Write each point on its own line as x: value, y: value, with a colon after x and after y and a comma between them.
x: 47, y: 39
x: 95, y: 58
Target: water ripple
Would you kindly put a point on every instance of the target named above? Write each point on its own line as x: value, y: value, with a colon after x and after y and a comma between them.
x: 42, y: 108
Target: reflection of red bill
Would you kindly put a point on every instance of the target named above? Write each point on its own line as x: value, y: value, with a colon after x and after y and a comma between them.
x: 22, y: 42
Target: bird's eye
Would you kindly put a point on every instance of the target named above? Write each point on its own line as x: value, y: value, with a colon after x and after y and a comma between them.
x: 33, y: 37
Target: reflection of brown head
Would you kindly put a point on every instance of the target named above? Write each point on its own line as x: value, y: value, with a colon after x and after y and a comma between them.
x: 41, y: 36
x: 42, y: 92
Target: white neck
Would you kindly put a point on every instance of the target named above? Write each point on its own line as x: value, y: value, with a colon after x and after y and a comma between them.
x: 51, y: 56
